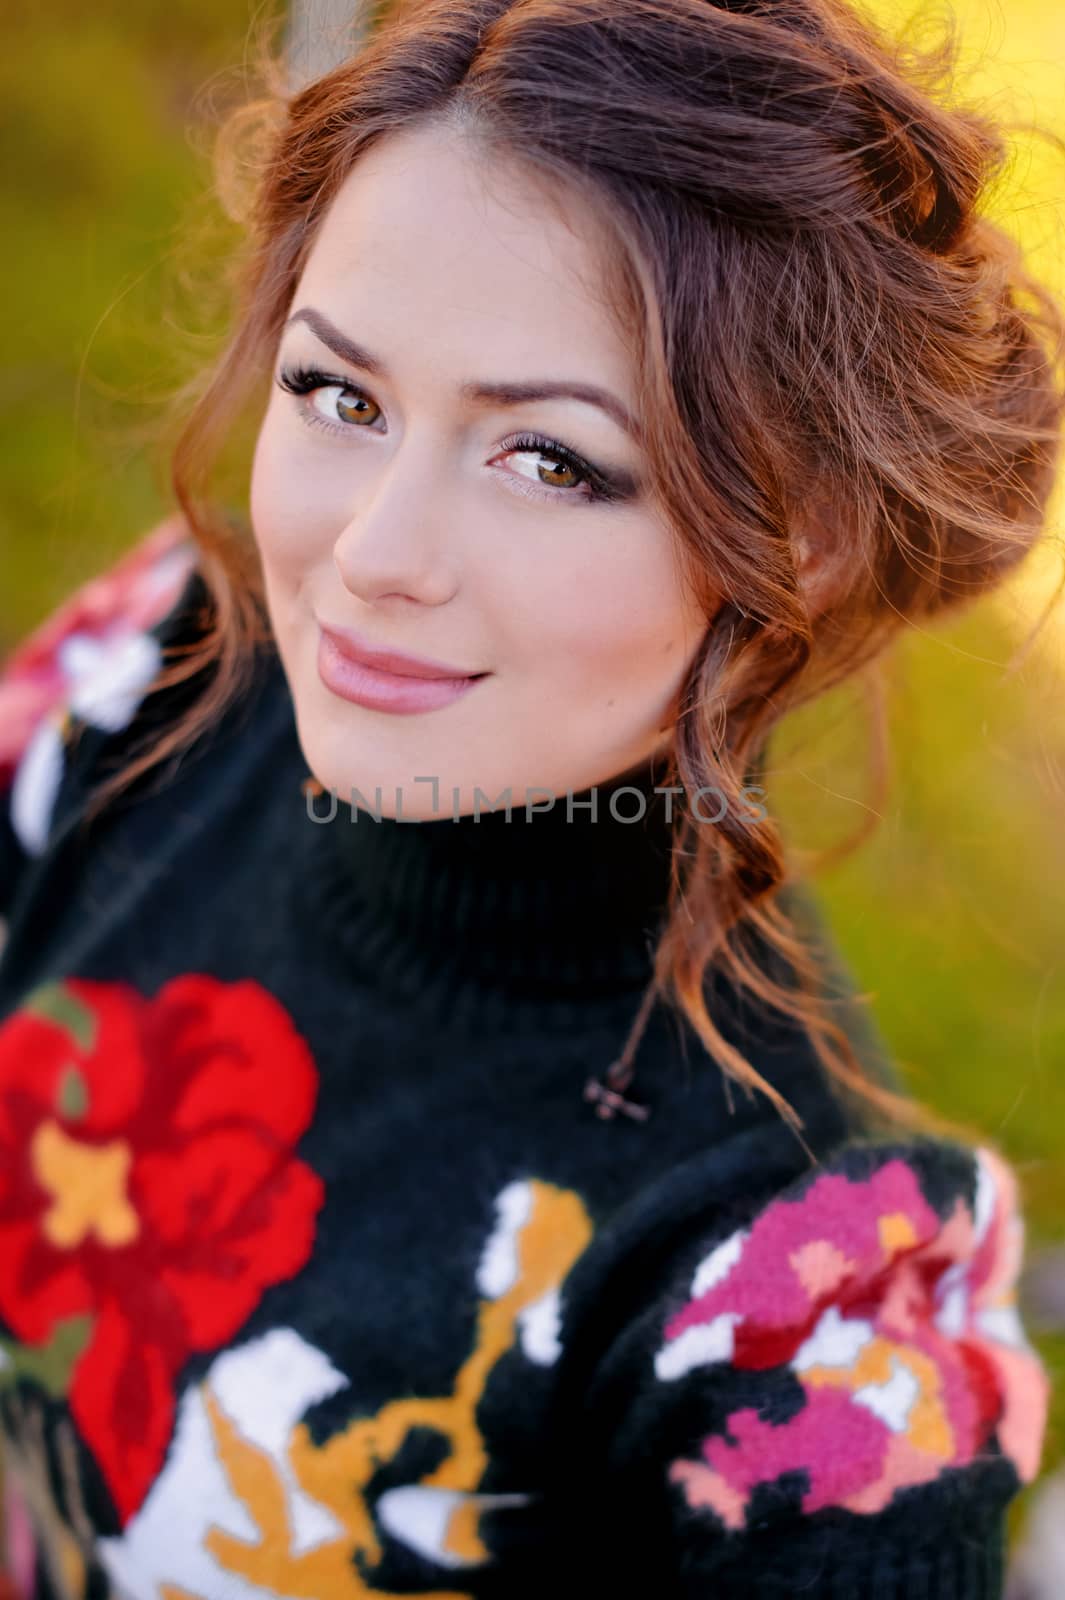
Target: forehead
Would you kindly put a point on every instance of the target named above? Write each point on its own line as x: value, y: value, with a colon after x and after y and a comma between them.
x: 431, y: 246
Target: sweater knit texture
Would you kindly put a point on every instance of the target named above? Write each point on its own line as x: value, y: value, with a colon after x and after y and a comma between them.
x: 320, y: 1274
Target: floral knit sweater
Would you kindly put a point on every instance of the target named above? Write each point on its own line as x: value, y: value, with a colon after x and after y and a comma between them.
x: 320, y: 1274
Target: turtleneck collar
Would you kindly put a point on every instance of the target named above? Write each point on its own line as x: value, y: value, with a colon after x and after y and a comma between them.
x: 540, y: 918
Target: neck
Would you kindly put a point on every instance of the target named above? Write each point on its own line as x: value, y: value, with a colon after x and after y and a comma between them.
x: 540, y: 915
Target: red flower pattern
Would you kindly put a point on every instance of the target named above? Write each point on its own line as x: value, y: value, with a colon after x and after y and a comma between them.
x: 148, y: 1181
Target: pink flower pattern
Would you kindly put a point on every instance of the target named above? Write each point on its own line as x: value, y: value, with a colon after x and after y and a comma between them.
x: 900, y: 1326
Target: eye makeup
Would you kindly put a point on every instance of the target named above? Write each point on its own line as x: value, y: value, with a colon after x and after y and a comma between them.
x: 598, y: 485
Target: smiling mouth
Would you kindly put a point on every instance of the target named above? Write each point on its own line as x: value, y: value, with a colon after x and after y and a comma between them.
x: 384, y: 689
x: 417, y: 677
x: 391, y: 665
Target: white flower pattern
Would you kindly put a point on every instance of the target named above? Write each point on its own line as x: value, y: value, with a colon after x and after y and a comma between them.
x: 91, y: 662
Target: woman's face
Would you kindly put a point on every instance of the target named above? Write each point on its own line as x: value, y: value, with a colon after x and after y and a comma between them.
x: 394, y: 501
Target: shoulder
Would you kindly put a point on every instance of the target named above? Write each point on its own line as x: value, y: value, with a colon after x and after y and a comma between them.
x: 832, y: 1374
x: 87, y: 666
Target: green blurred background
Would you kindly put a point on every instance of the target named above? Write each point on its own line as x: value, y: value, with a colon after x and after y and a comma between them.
x: 951, y: 916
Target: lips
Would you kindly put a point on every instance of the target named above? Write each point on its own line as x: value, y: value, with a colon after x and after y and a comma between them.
x: 393, y: 663
x: 348, y: 675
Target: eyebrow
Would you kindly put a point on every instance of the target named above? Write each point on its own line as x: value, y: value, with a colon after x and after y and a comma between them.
x: 500, y: 394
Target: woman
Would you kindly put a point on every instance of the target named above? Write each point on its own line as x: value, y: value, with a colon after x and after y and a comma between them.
x: 372, y: 1221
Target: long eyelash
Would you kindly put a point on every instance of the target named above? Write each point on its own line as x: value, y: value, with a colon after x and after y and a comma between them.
x: 304, y: 380
x: 601, y: 488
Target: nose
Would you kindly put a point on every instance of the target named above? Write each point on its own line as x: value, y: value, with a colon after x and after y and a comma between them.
x: 395, y: 541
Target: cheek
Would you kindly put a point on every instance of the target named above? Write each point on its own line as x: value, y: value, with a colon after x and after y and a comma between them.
x: 291, y: 506
x: 270, y: 492
x: 619, y: 622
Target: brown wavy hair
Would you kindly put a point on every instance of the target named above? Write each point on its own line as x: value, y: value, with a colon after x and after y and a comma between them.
x: 840, y: 356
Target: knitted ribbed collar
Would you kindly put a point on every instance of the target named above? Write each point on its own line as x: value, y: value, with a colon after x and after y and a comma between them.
x: 544, y: 917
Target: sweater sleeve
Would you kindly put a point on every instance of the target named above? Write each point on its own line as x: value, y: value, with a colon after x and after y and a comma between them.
x: 828, y: 1394
x: 89, y: 663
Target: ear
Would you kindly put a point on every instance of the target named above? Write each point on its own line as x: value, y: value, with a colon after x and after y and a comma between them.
x: 819, y: 555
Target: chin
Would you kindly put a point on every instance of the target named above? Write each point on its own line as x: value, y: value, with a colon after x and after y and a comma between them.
x: 331, y: 759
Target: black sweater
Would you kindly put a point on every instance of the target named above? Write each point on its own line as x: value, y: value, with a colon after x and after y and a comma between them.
x: 320, y: 1275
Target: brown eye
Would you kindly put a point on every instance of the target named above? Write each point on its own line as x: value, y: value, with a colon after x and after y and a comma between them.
x: 326, y: 401
x: 544, y: 461
x: 355, y: 408
x: 560, y: 475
